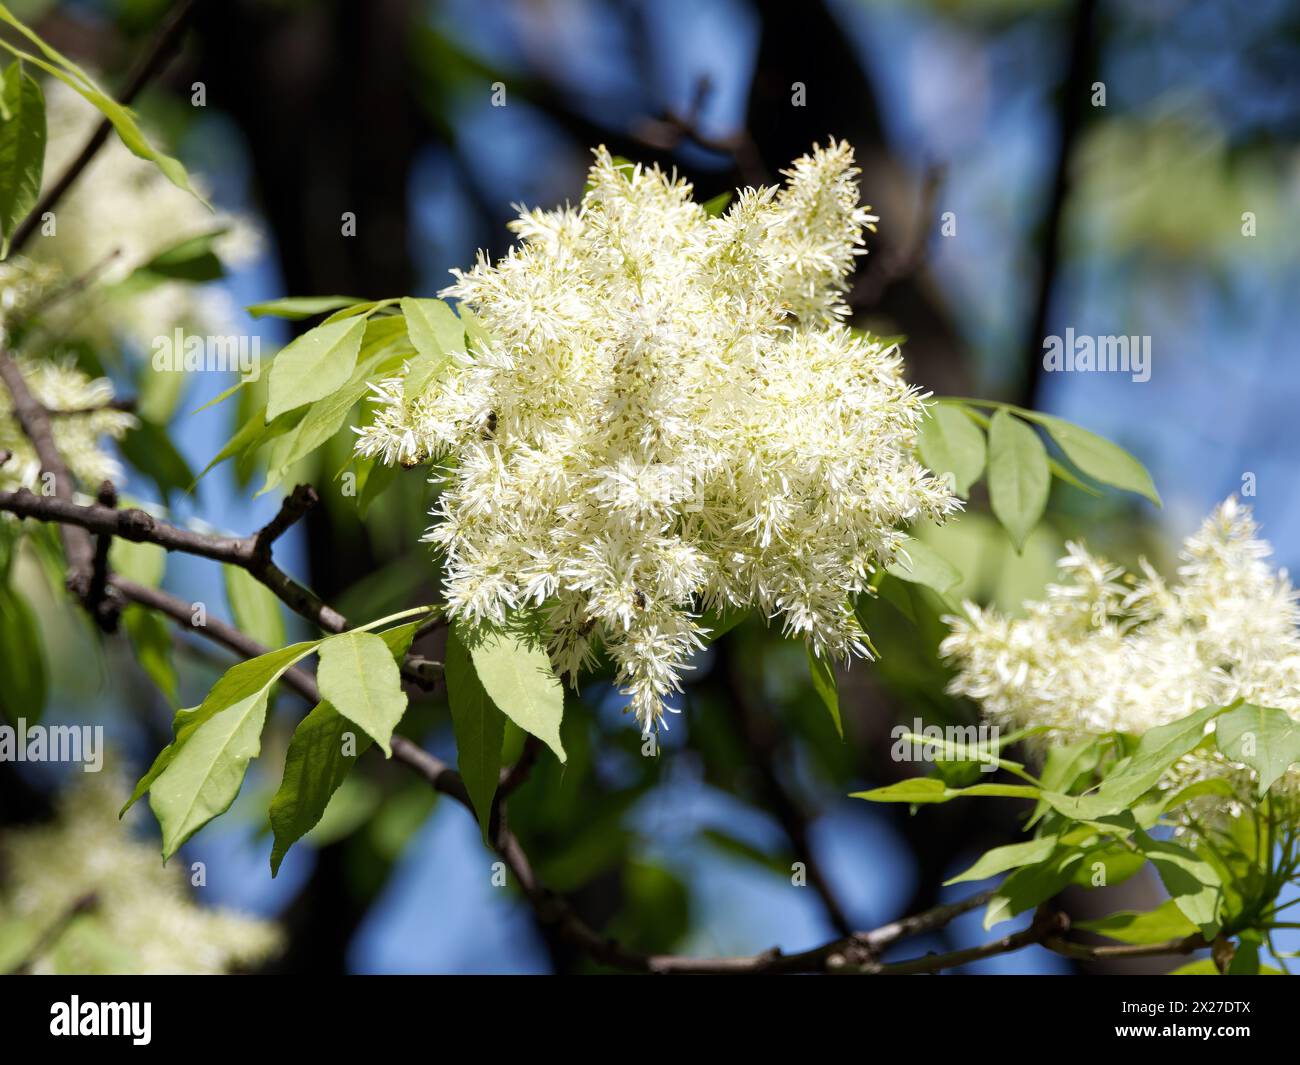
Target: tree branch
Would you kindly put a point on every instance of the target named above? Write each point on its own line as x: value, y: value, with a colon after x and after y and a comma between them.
x: 34, y: 421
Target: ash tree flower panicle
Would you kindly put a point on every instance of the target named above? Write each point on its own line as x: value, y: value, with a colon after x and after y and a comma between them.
x: 669, y: 417
x: 1111, y: 651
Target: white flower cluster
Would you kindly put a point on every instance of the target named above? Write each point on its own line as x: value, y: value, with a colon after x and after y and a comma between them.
x: 670, y: 417
x: 143, y: 919
x: 123, y: 204
x: 60, y: 387
x: 1111, y: 651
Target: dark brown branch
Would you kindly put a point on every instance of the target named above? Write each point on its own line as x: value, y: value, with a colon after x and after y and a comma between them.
x: 126, y: 403
x: 1109, y: 952
x: 98, y: 604
x: 149, y: 64
x: 250, y: 552
x: 1044, y: 924
x: 34, y: 421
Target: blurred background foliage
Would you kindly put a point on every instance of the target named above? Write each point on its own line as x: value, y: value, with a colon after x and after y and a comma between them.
x: 1124, y: 219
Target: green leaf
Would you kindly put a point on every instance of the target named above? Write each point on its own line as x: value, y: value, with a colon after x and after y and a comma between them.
x: 192, y: 259
x: 327, y: 416
x: 1190, y: 880
x: 378, y: 479
x: 322, y: 751
x: 78, y: 80
x: 1118, y: 863
x: 1019, y: 478
x: 1220, y: 787
x: 151, y: 639
x: 823, y: 679
x: 479, y: 728
x: 717, y: 623
x: 951, y: 443
x: 1262, y: 737
x: 519, y: 679
x: 919, y: 790
x: 1064, y: 765
x: 314, y: 365
x: 255, y: 608
x: 435, y: 333
x: 1157, y: 750
x: 714, y: 206
x: 22, y: 149
x: 1245, y: 958
x: 150, y: 450
x: 24, y: 680
x: 1000, y: 859
x: 142, y: 562
x: 1098, y: 457
x: 358, y: 676
x: 1163, y: 923
x: 295, y: 308
x: 925, y: 566
x: 241, y: 683
x: 198, y: 775
x: 1028, y: 886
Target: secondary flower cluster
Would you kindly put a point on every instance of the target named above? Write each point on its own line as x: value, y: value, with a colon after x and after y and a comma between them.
x: 119, y: 215
x: 141, y: 917
x: 80, y: 419
x: 1111, y: 651
x: 669, y: 417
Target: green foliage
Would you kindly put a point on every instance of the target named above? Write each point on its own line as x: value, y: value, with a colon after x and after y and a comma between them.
x: 1163, y: 923
x: 1156, y: 752
x: 123, y: 121
x: 197, y: 776
x: 479, y: 728
x: 358, y: 676
x: 1019, y: 468
x: 516, y: 673
x: 1031, y: 884
x: 296, y: 308
x: 951, y: 443
x: 151, y: 641
x: 1192, y: 882
x: 314, y: 365
x: 1098, y: 457
x: 920, y: 790
x: 925, y: 566
x: 150, y: 450
x: 321, y: 753
x: 192, y: 259
x: 1262, y: 737
x: 25, y: 678
x: 1012, y: 856
x: 823, y: 681
x: 255, y: 608
x: 436, y: 334
x: 22, y: 149
x: 1019, y: 478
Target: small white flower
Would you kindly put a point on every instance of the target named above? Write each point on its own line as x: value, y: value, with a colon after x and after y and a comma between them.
x: 60, y: 387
